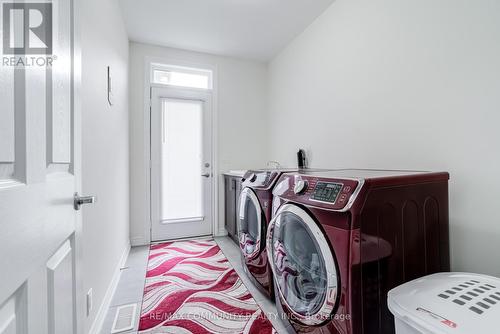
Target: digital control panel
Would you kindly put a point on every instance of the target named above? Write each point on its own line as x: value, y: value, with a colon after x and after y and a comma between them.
x: 326, y: 192
x: 323, y: 192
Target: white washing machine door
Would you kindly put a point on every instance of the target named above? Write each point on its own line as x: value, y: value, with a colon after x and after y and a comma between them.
x: 249, y: 223
x: 304, y: 268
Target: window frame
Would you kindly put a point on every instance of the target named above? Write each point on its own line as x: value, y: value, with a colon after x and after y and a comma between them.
x: 154, y: 66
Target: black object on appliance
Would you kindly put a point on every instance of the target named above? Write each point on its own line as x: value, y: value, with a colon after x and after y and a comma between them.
x: 301, y: 159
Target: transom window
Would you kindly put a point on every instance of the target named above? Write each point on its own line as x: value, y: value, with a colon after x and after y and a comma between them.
x: 181, y: 76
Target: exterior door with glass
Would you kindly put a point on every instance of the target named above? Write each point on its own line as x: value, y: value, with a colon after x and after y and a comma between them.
x: 181, y: 163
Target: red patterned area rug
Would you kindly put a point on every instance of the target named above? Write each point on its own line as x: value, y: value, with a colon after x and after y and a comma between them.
x: 192, y: 288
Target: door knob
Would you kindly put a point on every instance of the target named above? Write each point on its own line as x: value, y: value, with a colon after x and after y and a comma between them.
x: 79, y: 200
x: 206, y: 175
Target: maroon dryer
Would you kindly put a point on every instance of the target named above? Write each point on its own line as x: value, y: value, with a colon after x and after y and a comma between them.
x: 340, y: 240
x: 254, y: 214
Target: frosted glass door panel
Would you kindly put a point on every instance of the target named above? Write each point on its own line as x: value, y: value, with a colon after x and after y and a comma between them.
x: 181, y: 160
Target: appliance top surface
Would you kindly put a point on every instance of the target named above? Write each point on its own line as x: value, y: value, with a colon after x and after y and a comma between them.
x: 339, y: 189
x: 361, y: 174
x: 280, y: 170
x: 289, y: 170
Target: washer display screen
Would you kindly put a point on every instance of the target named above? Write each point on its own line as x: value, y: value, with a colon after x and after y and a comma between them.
x: 326, y: 192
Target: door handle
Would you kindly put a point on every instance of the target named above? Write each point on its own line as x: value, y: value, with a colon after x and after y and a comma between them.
x: 80, y: 200
x: 206, y: 175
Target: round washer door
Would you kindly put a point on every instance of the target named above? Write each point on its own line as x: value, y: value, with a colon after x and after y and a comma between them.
x: 249, y: 223
x: 304, y: 268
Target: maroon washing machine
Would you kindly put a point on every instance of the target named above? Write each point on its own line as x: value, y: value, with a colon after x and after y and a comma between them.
x: 254, y: 214
x: 340, y: 240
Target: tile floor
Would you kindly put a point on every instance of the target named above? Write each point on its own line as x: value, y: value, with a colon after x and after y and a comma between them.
x: 232, y: 252
x: 131, y: 285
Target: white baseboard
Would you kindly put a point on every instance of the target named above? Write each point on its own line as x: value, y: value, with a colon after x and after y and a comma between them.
x: 138, y: 241
x: 103, y: 309
x: 221, y: 232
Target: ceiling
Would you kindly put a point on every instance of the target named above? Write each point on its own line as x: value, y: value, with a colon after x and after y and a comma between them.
x: 253, y: 29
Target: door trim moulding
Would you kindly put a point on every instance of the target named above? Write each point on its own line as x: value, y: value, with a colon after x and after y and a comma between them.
x: 148, y: 85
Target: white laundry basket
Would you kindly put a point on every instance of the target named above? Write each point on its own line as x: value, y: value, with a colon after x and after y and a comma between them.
x: 446, y: 303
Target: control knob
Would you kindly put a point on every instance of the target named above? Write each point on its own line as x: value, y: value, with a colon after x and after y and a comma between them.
x: 300, y: 187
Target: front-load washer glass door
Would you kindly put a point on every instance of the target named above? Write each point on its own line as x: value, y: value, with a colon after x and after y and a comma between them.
x: 249, y: 223
x: 303, y: 265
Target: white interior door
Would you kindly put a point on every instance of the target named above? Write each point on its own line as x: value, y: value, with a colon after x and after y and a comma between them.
x: 181, y: 163
x: 40, y: 290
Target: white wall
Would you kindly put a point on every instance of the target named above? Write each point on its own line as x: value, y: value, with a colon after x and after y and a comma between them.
x: 402, y: 84
x: 105, y: 146
x: 241, y: 110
